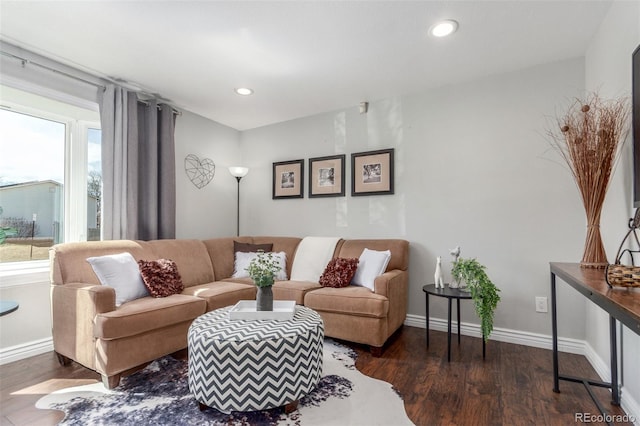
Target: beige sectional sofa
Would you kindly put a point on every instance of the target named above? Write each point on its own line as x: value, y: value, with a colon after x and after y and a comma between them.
x: 89, y: 329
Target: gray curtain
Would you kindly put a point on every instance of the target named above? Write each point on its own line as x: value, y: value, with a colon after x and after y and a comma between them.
x: 138, y: 167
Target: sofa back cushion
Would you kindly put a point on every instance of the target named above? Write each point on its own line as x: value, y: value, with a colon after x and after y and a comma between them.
x: 222, y: 256
x: 286, y: 244
x: 191, y: 258
x: 399, y: 250
x: 221, y: 251
x: 69, y: 260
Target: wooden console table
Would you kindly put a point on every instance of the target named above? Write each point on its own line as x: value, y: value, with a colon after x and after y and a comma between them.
x: 621, y: 304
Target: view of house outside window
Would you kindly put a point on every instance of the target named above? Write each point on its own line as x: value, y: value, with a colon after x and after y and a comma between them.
x: 35, y: 153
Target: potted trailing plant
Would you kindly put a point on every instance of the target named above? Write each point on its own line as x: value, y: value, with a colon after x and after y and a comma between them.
x: 483, y: 291
x: 262, y: 270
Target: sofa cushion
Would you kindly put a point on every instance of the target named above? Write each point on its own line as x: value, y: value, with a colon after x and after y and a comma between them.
x: 245, y: 281
x: 121, y: 272
x: 248, y: 248
x: 339, y: 272
x: 222, y: 293
x: 351, y: 300
x: 222, y: 255
x: 312, y: 256
x: 289, y: 245
x: 372, y: 263
x: 244, y: 259
x: 399, y: 250
x: 191, y: 257
x: 142, y: 315
x: 68, y: 260
x: 161, y: 277
x: 293, y: 290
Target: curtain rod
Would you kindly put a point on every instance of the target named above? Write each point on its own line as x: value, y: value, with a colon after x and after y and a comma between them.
x: 71, y: 76
x: 160, y: 105
x: 29, y: 61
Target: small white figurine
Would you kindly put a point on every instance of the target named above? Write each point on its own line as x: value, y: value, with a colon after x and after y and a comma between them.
x: 455, y: 252
x: 438, y: 276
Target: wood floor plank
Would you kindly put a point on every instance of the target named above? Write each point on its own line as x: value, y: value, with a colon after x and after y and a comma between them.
x: 513, y: 385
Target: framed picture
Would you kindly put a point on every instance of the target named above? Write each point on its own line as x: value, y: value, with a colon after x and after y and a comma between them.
x: 326, y: 176
x: 372, y: 173
x: 288, y: 179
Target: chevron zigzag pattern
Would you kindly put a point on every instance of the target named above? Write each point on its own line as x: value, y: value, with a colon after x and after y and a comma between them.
x: 254, y: 365
x: 159, y: 395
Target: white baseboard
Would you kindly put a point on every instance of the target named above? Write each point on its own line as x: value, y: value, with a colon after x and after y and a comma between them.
x: 627, y: 401
x: 506, y: 335
x: 25, y: 350
x: 630, y: 406
x: 574, y: 346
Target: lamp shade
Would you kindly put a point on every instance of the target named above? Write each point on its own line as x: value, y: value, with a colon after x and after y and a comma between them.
x: 238, y: 171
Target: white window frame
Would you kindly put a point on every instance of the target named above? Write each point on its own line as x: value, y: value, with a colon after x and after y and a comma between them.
x: 75, y: 189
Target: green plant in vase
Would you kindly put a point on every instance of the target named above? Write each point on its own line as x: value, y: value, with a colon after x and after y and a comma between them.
x: 483, y: 291
x: 262, y: 271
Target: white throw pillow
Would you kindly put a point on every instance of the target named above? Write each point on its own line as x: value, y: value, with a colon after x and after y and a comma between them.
x: 371, y: 265
x: 243, y: 259
x: 121, y: 272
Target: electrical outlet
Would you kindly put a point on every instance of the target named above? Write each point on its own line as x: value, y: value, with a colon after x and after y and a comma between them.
x: 541, y: 304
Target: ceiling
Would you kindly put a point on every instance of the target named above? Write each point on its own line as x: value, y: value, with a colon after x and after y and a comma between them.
x: 300, y: 58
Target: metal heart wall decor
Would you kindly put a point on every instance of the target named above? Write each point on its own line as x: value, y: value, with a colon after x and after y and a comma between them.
x: 200, y: 172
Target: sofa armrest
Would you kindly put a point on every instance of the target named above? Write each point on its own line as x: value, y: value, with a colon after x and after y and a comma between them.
x: 74, y: 308
x: 383, y: 283
x: 394, y: 285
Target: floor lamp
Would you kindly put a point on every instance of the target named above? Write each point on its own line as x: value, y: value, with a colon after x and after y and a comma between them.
x: 238, y: 173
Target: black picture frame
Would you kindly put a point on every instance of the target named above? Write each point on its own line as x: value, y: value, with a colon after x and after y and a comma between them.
x: 326, y: 176
x: 372, y: 173
x: 288, y: 179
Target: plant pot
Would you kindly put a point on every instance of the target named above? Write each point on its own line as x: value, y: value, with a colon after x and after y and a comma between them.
x: 264, y: 299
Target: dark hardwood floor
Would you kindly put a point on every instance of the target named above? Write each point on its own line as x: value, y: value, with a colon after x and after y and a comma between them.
x: 512, y: 386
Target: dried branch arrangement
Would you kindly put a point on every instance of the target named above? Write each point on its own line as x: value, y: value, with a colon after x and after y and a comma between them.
x: 589, y: 137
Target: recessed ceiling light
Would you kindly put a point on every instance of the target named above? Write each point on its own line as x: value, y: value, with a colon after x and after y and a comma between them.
x: 443, y: 28
x: 244, y: 91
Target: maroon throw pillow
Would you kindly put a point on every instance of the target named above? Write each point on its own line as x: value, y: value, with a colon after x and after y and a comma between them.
x: 251, y: 248
x: 339, y: 272
x: 161, y: 277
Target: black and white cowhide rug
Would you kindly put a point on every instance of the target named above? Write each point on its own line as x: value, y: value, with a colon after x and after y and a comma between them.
x: 159, y: 395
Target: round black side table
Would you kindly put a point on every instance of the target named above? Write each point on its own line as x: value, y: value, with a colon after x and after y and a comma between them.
x: 450, y: 294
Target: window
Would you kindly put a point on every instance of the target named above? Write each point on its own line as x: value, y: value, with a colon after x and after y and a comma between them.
x: 94, y: 183
x: 50, y: 175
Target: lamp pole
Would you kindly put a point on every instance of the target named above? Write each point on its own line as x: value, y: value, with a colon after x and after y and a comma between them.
x: 238, y: 172
x: 238, y: 207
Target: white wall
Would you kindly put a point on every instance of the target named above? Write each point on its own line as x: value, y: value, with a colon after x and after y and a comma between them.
x: 210, y: 211
x: 608, y: 71
x: 27, y: 331
x: 473, y: 168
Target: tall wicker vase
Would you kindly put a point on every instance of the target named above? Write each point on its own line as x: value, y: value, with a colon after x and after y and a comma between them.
x: 594, y: 255
x: 588, y: 137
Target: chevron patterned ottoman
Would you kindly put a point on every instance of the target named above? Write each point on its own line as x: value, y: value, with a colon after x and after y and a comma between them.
x: 249, y: 365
